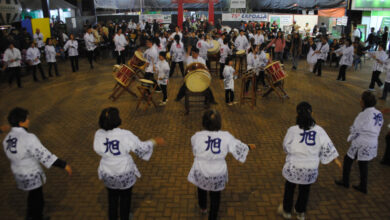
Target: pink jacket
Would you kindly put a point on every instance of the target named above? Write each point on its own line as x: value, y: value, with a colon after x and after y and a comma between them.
x: 279, y: 44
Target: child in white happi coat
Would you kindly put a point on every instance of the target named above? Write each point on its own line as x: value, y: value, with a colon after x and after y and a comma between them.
x: 363, y: 136
x: 177, y: 54
x: 33, y: 57
x: 311, y: 56
x: 225, y: 51
x: 209, y: 170
x: 228, y: 82
x: 51, y: 54
x: 26, y: 152
x: 306, y: 145
x: 261, y: 63
x: 163, y: 76
x: 346, y: 59
x: 72, y: 47
x: 117, y: 168
x: 380, y: 57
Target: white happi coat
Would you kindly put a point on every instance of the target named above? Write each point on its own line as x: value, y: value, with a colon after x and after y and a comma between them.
x: 38, y: 38
x: 13, y: 54
x: 72, y: 47
x: 190, y: 60
x: 89, y: 41
x: 225, y: 51
x: 50, y: 53
x: 250, y: 61
x: 228, y: 75
x: 324, y: 49
x: 151, y: 55
x: 117, y: 168
x: 312, y: 57
x: 220, y: 41
x: 172, y: 37
x: 163, y: 43
x: 203, y: 47
x: 364, y: 135
x: 120, y: 43
x: 259, y: 39
x: 177, y: 52
x: 209, y: 170
x: 305, y: 150
x: 163, y: 72
x: 347, y: 55
x: 241, y: 43
x: 381, y: 56
x: 32, y: 54
x: 25, y: 152
x: 262, y: 60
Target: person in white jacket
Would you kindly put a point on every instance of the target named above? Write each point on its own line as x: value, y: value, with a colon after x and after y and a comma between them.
x: 72, y: 47
x: 386, y: 89
x: 120, y: 42
x: 117, y: 169
x: 162, y: 69
x: 26, y: 152
x: 224, y: 52
x: 38, y: 38
x: 177, y: 55
x: 379, y: 57
x: 228, y: 82
x: 363, y: 136
x: 322, y: 50
x: 12, y: 58
x: 50, y: 53
x: 33, y: 56
x: 346, y: 53
x: 209, y: 171
x: 306, y: 145
x: 241, y: 42
x: 259, y: 38
x: 90, y: 45
x: 204, y: 46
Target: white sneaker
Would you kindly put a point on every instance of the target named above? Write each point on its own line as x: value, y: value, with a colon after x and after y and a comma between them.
x: 382, y: 87
x: 371, y: 90
x: 300, y: 215
x: 163, y: 103
x: 283, y: 213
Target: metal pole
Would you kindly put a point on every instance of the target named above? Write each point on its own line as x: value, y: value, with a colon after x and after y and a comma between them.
x: 45, y: 8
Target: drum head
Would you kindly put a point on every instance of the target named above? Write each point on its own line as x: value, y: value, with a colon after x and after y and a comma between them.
x: 140, y: 56
x: 198, y: 80
x: 216, y: 47
x: 194, y: 66
x: 276, y: 63
x: 240, y: 52
x: 146, y: 81
x: 168, y: 56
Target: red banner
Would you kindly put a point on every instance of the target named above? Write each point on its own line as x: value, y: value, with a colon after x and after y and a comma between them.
x: 194, y: 1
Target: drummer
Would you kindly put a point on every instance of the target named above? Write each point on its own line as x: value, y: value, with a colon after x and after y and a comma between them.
x: 241, y: 42
x: 177, y: 32
x: 151, y: 56
x: 259, y: 37
x: 225, y: 51
x: 204, y: 46
x: 195, y: 58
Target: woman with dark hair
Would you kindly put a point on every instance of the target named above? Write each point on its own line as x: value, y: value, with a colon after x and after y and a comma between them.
x: 279, y: 43
x: 177, y: 55
x: 209, y: 170
x: 25, y: 152
x: 306, y: 145
x: 50, y: 53
x: 346, y: 59
x: 363, y: 136
x: 117, y: 168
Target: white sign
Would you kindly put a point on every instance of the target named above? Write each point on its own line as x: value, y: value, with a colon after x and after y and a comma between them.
x: 244, y: 17
x: 162, y: 19
x: 238, y: 4
x: 342, y: 21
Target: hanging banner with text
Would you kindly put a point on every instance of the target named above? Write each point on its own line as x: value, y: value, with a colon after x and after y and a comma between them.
x: 237, y: 3
x: 162, y: 19
x: 244, y: 17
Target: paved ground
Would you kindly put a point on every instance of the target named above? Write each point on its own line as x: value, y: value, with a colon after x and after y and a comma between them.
x: 64, y: 115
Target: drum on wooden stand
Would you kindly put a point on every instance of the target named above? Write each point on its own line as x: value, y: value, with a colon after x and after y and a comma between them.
x: 123, y: 74
x: 198, y: 78
x: 137, y: 61
x: 215, y: 50
x: 147, y: 83
x: 194, y: 66
x: 275, y: 72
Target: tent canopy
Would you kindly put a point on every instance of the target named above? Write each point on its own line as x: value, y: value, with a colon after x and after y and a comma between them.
x: 53, y: 4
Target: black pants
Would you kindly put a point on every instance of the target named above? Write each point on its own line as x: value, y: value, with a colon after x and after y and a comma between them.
x: 14, y: 72
x: 318, y: 67
x: 303, y: 197
x: 215, y: 198
x: 120, y: 57
x: 229, y: 95
x: 74, y: 61
x: 164, y: 91
x: 221, y: 67
x: 90, y: 57
x: 363, y: 168
x: 55, y: 68
x: 260, y: 78
x: 342, y: 71
x: 34, y: 70
x: 385, y: 90
x: 208, y: 64
x: 35, y: 204
x: 150, y: 76
x: 182, y: 93
x: 123, y: 197
x: 386, y: 156
x: 375, y: 79
x: 173, y: 65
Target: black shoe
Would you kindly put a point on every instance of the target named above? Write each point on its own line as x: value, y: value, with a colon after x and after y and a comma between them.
x: 387, y: 163
x: 381, y: 98
x: 341, y: 183
x: 360, y: 189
